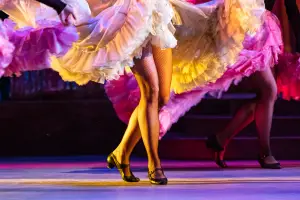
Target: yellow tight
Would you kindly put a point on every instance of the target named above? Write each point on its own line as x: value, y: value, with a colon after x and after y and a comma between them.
x: 153, y: 73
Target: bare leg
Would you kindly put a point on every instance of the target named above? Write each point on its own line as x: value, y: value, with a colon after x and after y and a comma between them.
x: 243, y: 117
x: 264, y: 108
x: 261, y: 111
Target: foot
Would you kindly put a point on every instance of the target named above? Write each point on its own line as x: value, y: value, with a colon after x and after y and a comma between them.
x: 121, y: 158
x: 157, y: 177
x: 219, y: 159
x: 124, y: 169
x: 269, y: 162
x: 218, y: 150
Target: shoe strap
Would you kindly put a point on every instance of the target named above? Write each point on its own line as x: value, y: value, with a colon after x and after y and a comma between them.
x: 156, y: 169
x: 119, y: 165
x: 266, y: 156
x: 123, y: 166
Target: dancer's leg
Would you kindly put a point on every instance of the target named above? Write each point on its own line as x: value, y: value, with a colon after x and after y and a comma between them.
x: 264, y: 108
x: 146, y: 75
x: 131, y: 137
x: 163, y: 62
x: 261, y: 110
x: 243, y: 117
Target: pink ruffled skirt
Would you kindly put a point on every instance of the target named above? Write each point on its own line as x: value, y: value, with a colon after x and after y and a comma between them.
x: 28, y: 49
x: 260, y: 51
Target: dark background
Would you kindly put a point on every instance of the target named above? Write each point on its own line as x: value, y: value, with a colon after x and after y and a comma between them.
x: 38, y: 121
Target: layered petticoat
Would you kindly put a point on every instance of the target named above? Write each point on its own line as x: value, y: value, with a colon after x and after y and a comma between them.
x: 112, y: 34
x: 208, y: 45
x: 33, y: 47
x: 6, y: 49
x: 110, y: 41
x: 260, y: 51
x: 27, y: 43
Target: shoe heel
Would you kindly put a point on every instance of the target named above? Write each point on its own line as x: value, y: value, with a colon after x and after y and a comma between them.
x: 261, y: 161
x: 110, y: 163
x: 157, y: 181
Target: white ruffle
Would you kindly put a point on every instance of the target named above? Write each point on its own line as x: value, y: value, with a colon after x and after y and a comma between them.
x: 146, y: 21
x: 210, y: 39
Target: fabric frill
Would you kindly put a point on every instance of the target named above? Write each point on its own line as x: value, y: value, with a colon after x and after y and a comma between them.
x: 112, y: 39
x: 210, y: 38
x: 260, y: 51
x: 33, y: 47
x: 6, y: 49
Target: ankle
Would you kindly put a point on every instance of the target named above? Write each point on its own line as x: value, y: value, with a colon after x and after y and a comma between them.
x: 152, y: 165
x: 265, y: 153
x: 156, y: 173
x: 221, y: 139
x: 121, y: 155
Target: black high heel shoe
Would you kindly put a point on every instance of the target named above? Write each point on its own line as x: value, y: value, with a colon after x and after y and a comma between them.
x: 221, y: 163
x: 112, y: 162
x: 263, y: 164
x: 157, y: 181
x: 213, y: 144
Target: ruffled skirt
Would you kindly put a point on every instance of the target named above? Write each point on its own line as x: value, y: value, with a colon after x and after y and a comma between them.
x: 112, y: 34
x: 210, y: 37
x: 260, y: 51
x: 27, y: 43
x: 110, y: 41
x: 33, y: 47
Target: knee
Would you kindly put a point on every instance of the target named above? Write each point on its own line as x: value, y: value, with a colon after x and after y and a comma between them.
x: 152, y: 94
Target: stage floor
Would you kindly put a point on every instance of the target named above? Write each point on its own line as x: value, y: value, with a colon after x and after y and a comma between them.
x: 86, y: 178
